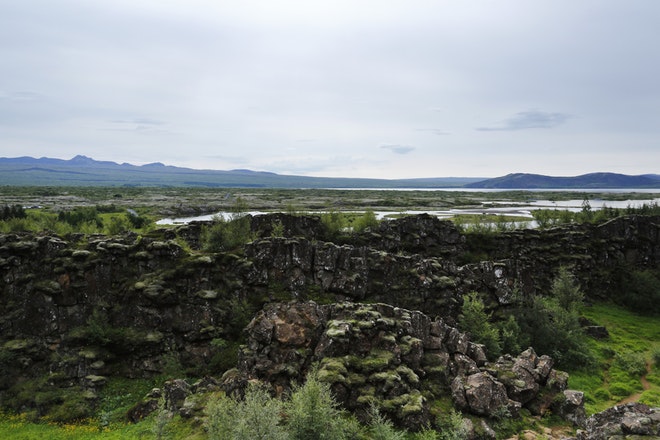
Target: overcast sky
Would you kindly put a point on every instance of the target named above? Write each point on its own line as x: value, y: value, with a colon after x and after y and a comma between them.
x: 386, y: 89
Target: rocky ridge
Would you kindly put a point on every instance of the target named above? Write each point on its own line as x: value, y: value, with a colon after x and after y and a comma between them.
x: 400, y: 359
x: 90, y: 308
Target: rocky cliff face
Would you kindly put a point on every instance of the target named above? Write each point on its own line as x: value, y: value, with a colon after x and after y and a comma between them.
x: 76, y: 310
x: 401, y: 359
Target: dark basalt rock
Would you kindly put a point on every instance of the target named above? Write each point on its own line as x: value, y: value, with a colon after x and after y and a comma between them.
x: 380, y: 353
x: 130, y: 305
x: 630, y: 421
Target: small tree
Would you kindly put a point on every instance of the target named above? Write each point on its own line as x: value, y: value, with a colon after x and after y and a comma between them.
x: 381, y: 428
x: 552, y: 323
x: 256, y: 417
x: 566, y: 291
x: 334, y: 223
x: 312, y: 412
x: 368, y: 220
x: 511, y: 337
x: 475, y: 321
x: 226, y: 235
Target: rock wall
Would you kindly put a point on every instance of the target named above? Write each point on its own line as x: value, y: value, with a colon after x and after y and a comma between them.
x: 400, y: 359
x: 93, y: 307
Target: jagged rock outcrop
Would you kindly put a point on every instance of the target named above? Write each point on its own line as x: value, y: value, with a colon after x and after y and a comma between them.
x: 393, y: 356
x: 422, y: 234
x: 533, y: 255
x: 630, y: 421
x: 93, y: 307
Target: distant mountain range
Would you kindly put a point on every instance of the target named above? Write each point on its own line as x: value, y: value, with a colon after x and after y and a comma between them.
x: 592, y: 180
x: 85, y: 171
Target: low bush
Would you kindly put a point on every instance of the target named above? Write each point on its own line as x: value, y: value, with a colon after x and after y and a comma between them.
x: 227, y: 235
x: 650, y: 398
x: 633, y: 363
x: 368, y: 220
x: 621, y: 389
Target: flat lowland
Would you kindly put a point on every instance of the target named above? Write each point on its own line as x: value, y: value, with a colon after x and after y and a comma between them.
x: 168, y: 201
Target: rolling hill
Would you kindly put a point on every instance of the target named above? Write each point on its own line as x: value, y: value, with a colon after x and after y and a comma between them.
x: 85, y: 171
x: 592, y: 180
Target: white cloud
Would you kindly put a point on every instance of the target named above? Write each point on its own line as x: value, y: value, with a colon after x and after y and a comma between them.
x: 530, y: 119
x: 399, y: 149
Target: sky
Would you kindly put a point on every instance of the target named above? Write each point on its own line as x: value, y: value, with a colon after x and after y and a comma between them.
x: 342, y: 88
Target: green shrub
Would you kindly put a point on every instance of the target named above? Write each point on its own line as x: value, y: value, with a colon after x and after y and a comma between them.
x: 656, y: 356
x: 650, y: 398
x: 221, y: 412
x: 452, y: 426
x: 117, y: 225
x: 632, y: 363
x: 511, y: 336
x: 278, y: 229
x: 475, y: 321
x: 18, y: 225
x: 425, y: 434
x: 12, y: 211
x: 226, y: 235
x: 256, y: 417
x: 368, y: 220
x: 334, y: 224
x: 552, y: 323
x: 80, y: 215
x: 602, y: 394
x: 382, y: 429
x: 641, y: 292
x: 312, y: 413
x: 620, y: 389
x: 259, y: 416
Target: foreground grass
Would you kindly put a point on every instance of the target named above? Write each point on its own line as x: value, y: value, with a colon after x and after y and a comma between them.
x: 17, y: 427
x: 629, y: 360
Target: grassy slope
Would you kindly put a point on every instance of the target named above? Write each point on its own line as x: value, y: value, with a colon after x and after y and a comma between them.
x: 626, y: 357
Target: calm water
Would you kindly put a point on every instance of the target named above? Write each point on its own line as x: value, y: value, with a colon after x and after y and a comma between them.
x: 522, y: 209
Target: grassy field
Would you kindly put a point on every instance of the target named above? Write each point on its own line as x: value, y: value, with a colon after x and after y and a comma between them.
x: 208, y: 200
x: 629, y: 360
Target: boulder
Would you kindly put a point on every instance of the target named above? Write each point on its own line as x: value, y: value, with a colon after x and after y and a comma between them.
x: 480, y: 394
x: 629, y: 421
x: 175, y: 392
x: 571, y: 407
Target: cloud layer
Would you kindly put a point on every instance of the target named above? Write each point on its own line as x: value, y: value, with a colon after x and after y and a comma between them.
x: 530, y: 119
x: 343, y: 88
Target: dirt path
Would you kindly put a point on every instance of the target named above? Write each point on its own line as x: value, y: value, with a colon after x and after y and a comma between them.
x: 645, y: 386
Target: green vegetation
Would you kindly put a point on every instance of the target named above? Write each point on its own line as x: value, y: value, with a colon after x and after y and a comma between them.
x: 312, y: 413
x: 609, y: 370
x: 546, y: 218
x: 549, y: 323
x: 256, y: 417
x: 224, y: 235
x: 9, y: 212
x: 489, y: 223
x: 477, y: 323
x: 99, y: 219
x: 624, y: 362
x: 637, y: 290
x: 308, y: 413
